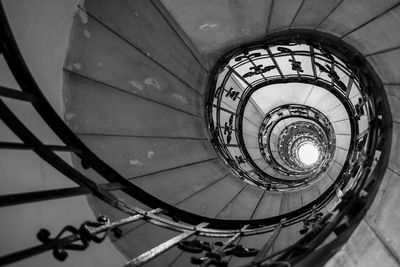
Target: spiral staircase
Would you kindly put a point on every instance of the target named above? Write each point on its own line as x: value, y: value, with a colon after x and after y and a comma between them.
x: 182, y: 124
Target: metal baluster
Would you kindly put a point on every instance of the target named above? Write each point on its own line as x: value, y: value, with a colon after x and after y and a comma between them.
x: 217, y: 254
x: 163, y: 247
x: 78, y: 239
x: 263, y: 253
x: 271, y: 55
x: 312, y: 56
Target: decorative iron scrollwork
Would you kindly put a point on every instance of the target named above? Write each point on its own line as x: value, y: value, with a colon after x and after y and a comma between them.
x: 232, y: 94
x: 311, y: 221
x: 79, y: 239
x: 217, y: 92
x: 240, y: 159
x: 296, y: 65
x: 299, y: 111
x: 359, y: 107
x: 215, y: 252
x: 194, y: 246
x: 332, y: 74
x: 263, y: 65
x: 246, y: 55
x: 228, y: 129
x: 228, y: 132
x: 284, y: 50
x: 259, y: 69
x: 326, y: 54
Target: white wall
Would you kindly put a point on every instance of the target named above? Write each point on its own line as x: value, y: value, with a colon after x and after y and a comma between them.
x: 41, y: 28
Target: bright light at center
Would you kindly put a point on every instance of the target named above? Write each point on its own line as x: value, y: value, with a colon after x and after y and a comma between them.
x: 308, y: 153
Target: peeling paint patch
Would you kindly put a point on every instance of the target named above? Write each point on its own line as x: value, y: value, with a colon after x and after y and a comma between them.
x: 87, y: 34
x: 152, y: 82
x: 208, y: 26
x: 181, y: 98
x: 245, y: 31
x: 150, y: 154
x: 77, y: 66
x: 69, y: 116
x: 136, y: 85
x: 135, y: 162
x: 83, y: 15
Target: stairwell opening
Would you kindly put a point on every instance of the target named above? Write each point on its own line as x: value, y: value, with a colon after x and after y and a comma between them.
x: 262, y: 91
x: 308, y: 153
x: 350, y: 193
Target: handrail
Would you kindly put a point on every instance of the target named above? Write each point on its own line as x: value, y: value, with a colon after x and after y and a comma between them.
x: 33, y: 95
x: 29, y: 87
x: 238, y: 97
x: 89, y: 231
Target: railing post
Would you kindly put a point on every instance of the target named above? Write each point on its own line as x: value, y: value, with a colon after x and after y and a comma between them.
x: 215, y: 257
x: 263, y: 253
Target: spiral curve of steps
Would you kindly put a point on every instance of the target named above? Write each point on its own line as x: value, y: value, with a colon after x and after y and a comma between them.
x: 137, y: 78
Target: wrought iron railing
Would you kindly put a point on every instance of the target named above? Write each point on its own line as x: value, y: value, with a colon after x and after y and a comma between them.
x: 280, y: 113
x: 163, y: 214
x: 259, y: 65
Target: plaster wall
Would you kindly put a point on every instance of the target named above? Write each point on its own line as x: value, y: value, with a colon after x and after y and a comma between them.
x: 41, y: 29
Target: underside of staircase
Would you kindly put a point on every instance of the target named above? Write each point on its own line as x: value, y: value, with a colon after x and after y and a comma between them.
x: 136, y: 80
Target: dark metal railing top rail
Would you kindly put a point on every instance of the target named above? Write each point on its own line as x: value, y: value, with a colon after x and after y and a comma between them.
x: 71, y: 238
x: 185, y: 223
x: 31, y: 93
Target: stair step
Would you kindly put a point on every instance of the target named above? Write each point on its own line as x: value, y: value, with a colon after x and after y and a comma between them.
x: 290, y: 201
x: 186, y: 180
x: 123, y: 113
x: 211, y: 201
x: 309, y: 194
x: 323, y: 183
x: 136, y: 156
x: 132, y: 23
x: 243, y: 205
x: 269, y: 205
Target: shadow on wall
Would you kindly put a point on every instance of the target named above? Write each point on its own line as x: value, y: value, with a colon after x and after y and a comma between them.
x: 41, y: 29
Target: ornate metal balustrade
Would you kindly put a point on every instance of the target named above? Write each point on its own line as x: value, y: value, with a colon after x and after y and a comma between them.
x: 322, y: 127
x: 316, y: 59
x: 186, y: 224
x: 281, y: 60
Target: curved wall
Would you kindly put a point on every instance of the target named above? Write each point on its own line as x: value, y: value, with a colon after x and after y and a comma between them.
x: 41, y: 29
x: 211, y: 29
